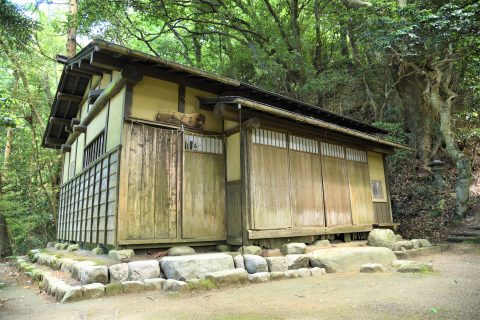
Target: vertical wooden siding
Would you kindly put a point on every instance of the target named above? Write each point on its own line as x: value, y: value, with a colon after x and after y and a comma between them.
x: 269, y: 183
x: 87, y: 203
x: 382, y: 212
x: 360, y: 193
x: 234, y: 213
x: 336, y: 191
x: 203, y: 214
x: 149, y: 165
x: 306, y: 189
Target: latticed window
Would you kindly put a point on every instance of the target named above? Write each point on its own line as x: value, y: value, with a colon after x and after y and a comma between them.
x: 269, y: 138
x: 201, y: 143
x: 332, y: 150
x: 303, y: 144
x: 94, y: 149
x: 356, y: 155
x: 377, y: 189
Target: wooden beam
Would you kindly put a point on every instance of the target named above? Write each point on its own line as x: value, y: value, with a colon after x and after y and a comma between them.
x: 306, y: 231
x: 69, y: 97
x: 248, y: 124
x: 61, y: 59
x: 85, y: 65
x: 79, y: 128
x: 74, y: 122
x: 61, y: 121
x: 105, y: 61
x: 85, y: 71
x: 54, y: 141
x: 66, y: 148
x: 181, y: 98
x: 76, y: 73
x: 94, y: 94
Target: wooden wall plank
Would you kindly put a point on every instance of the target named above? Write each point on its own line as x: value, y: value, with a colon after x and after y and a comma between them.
x: 203, y: 196
x: 148, y: 191
x: 233, y: 212
x: 382, y: 212
x: 269, y: 185
x: 306, y: 189
x: 336, y: 191
x: 360, y: 193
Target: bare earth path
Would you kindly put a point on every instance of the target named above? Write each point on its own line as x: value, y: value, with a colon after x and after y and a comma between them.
x: 452, y: 292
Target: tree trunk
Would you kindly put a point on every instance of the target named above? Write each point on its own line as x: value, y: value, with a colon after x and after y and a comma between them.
x: 5, y: 245
x: 71, y: 46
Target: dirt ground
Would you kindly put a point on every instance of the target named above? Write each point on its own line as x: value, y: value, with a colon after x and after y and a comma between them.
x: 451, y: 292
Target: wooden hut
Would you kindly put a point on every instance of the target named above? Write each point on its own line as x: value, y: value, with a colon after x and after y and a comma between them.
x: 157, y: 154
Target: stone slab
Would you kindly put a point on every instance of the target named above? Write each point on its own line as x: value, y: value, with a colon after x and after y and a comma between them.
x: 350, y: 258
x: 259, y: 277
x: 228, y: 276
x: 93, y: 291
x: 294, y: 248
x: 133, y: 286
x: 145, y: 269
x: 195, y: 267
x: 277, y: 264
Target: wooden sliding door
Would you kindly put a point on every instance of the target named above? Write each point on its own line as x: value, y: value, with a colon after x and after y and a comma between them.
x: 203, y: 212
x: 335, y: 185
x: 149, y: 179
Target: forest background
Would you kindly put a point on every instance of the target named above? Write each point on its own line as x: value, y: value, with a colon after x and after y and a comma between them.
x: 412, y: 67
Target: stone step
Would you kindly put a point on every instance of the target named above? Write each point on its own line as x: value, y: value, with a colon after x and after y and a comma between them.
x: 467, y: 233
x: 459, y: 239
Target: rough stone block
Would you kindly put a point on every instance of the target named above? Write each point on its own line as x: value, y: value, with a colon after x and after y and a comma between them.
x: 227, y: 276
x: 73, y: 294
x: 399, y: 263
x: 52, y: 289
x: 259, y: 277
x: 97, y: 251
x: 322, y: 243
x: 113, y: 289
x: 372, y: 268
x: 421, y: 243
x: 401, y: 245
x: 67, y: 264
x: 350, y: 259
x: 250, y: 250
x: 197, y: 266
x: 93, y: 274
x: 153, y: 284
x: 180, y: 286
x: 93, y: 291
x: 404, y: 255
x: 317, y: 271
x: 297, y: 261
x: 239, y: 262
x: 118, y: 272
x: 180, y: 251
x: 398, y: 237
x: 381, y: 238
x: 141, y: 270
x: 291, y: 274
x: 73, y: 247
x: 278, y: 275
x: 60, y: 291
x: 294, y: 248
x: 133, y: 286
x: 277, y: 264
x: 77, y: 266
x: 254, y: 263
x: 416, y: 267
x: 304, y: 272
x: 168, y: 284
x: 121, y: 254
